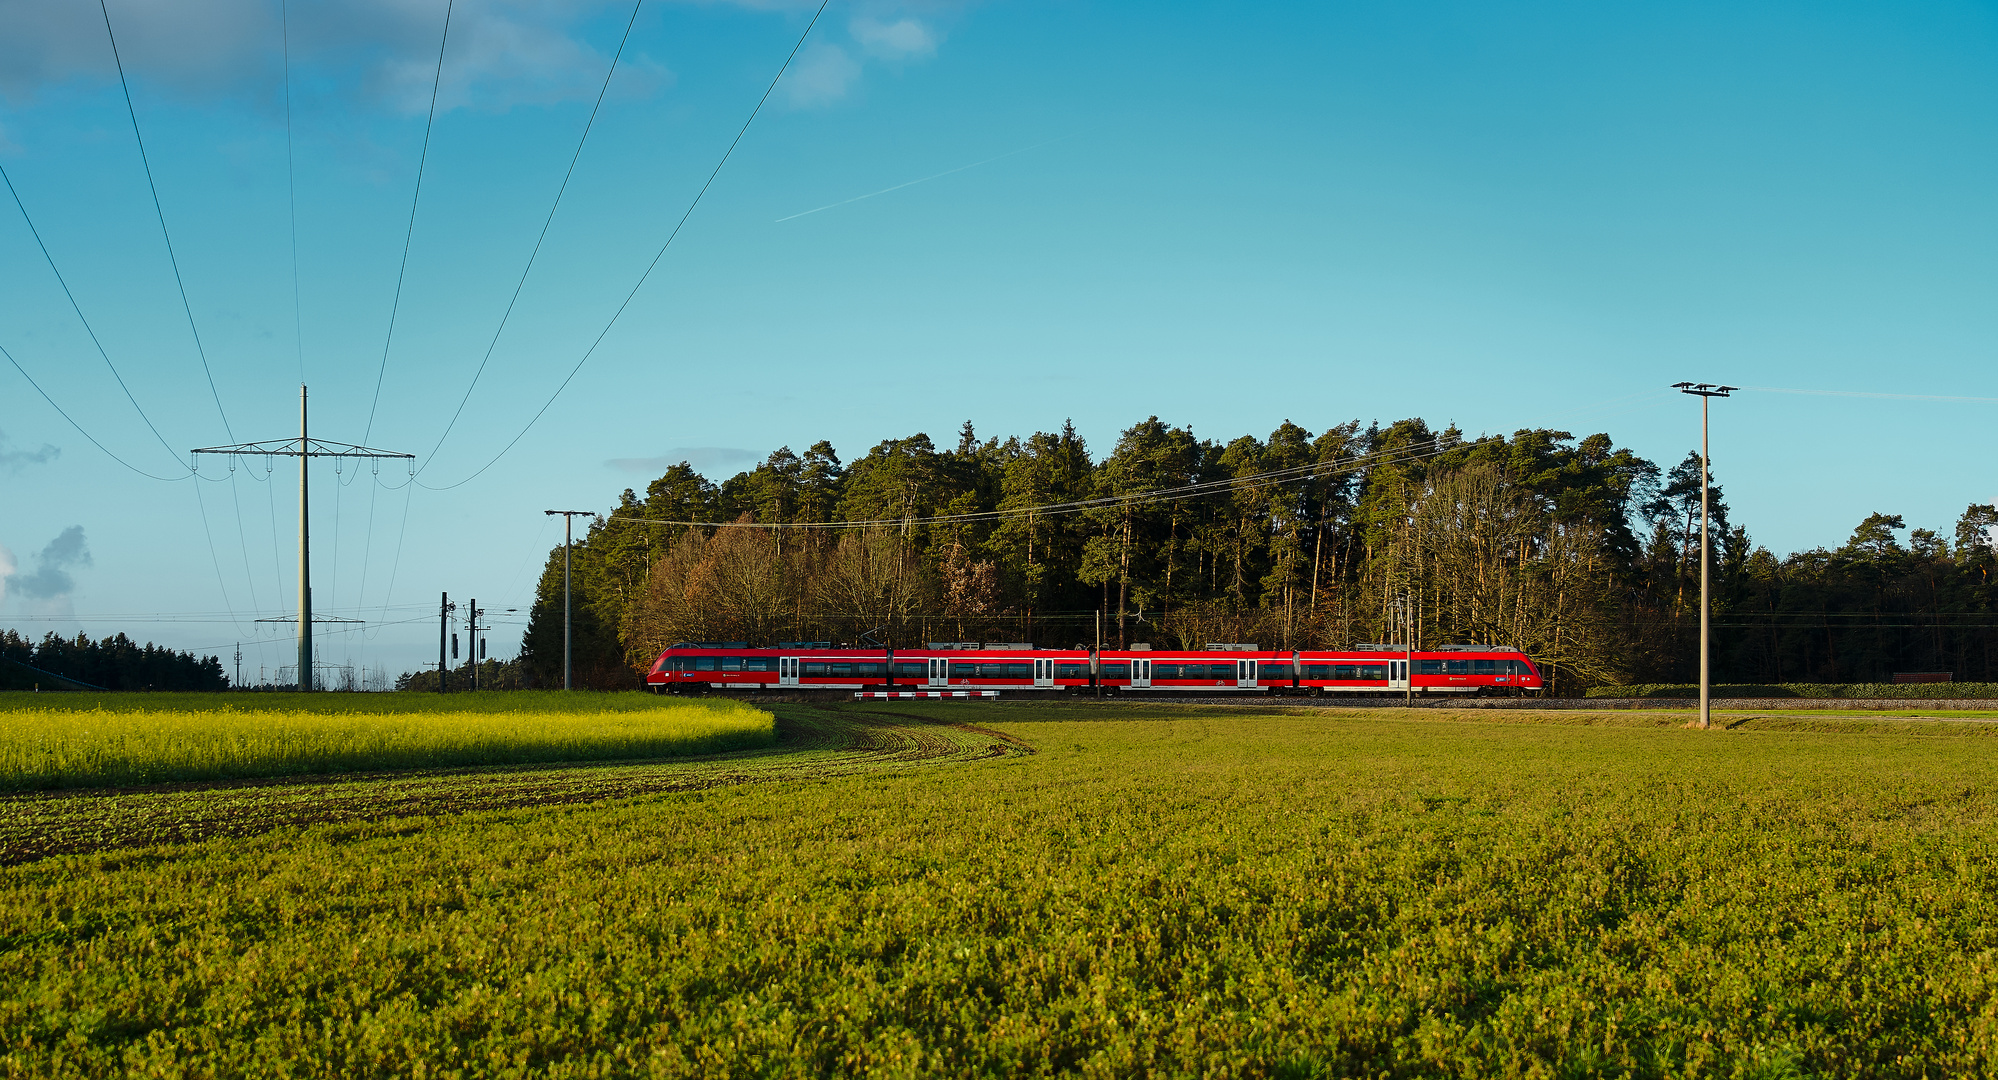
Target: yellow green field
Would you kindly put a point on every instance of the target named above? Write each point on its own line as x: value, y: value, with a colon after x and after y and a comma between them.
x: 122, y: 740
x: 999, y: 889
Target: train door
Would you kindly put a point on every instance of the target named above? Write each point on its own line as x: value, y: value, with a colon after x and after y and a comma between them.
x: 1141, y: 673
x: 1245, y: 673
x: 1044, y: 673
x: 939, y: 671
x: 1397, y: 674
x: 787, y: 671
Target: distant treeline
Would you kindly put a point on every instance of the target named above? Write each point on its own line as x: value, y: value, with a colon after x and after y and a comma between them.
x: 1575, y: 550
x: 113, y: 663
x: 492, y: 675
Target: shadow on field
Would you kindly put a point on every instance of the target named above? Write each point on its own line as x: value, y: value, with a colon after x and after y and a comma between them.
x: 813, y: 742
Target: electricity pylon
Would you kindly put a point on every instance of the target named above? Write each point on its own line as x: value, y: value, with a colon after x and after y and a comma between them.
x: 302, y: 448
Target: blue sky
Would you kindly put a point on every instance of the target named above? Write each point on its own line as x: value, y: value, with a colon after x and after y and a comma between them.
x: 1493, y: 215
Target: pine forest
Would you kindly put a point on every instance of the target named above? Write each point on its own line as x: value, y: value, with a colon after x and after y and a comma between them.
x: 1577, y: 551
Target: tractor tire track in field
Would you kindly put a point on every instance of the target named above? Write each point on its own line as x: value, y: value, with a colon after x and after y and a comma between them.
x: 813, y: 742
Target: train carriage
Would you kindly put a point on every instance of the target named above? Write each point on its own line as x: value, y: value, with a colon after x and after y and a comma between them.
x: 970, y: 667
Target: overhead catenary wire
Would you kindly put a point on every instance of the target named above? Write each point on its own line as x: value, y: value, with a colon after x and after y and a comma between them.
x: 560, y: 190
x: 395, y: 305
x: 591, y: 351
x: 166, y: 234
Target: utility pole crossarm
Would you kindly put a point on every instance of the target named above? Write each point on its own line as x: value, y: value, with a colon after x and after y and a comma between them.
x: 302, y: 448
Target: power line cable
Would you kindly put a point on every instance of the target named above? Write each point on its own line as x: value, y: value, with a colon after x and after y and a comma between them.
x: 79, y: 427
x: 172, y: 259
x: 395, y: 566
x: 1250, y: 482
x: 74, y: 306
x: 291, y: 189
x: 202, y: 506
x: 242, y: 538
x: 591, y: 351
x: 549, y: 220
x: 415, y: 197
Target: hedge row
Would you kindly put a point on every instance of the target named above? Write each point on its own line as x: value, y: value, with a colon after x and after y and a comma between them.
x: 1802, y: 690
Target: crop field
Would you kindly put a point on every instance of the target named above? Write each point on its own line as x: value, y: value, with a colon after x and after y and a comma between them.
x: 106, y: 740
x: 998, y: 889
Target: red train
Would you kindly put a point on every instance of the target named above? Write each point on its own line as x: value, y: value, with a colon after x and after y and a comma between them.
x: 955, y: 669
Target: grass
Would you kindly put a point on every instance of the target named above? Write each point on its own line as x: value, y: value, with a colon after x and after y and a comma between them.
x: 1155, y: 891
x: 140, y: 739
x: 1913, y: 691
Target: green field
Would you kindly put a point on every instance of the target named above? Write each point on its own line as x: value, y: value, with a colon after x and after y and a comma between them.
x: 1005, y: 889
x: 106, y: 740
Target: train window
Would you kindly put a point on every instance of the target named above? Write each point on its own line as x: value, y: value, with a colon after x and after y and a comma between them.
x: 704, y: 663
x: 1429, y: 667
x: 811, y: 669
x: 1460, y: 667
x: 1164, y: 671
x: 1373, y: 671
x: 1484, y: 667
x: 1116, y: 671
x: 731, y: 663
x: 912, y: 669
x: 1071, y: 671
x: 1318, y: 671
x: 1220, y: 671
x: 963, y: 671
x: 1346, y: 671
x: 868, y: 669
x: 1020, y: 671
x: 839, y: 669
x: 759, y: 663
x: 679, y: 664
x: 1272, y: 672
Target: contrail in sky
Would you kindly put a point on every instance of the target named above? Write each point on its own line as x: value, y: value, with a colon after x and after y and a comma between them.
x: 924, y: 180
x: 1868, y: 394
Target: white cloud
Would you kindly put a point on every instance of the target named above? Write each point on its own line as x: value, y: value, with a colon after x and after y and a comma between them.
x: 822, y: 75
x: 902, y: 39
x: 501, y: 52
x: 50, y: 580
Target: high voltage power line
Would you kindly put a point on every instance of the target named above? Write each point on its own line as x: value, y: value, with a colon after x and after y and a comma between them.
x: 88, y: 329
x: 640, y: 283
x: 291, y: 191
x: 158, y: 210
x: 562, y: 189
x: 395, y: 306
